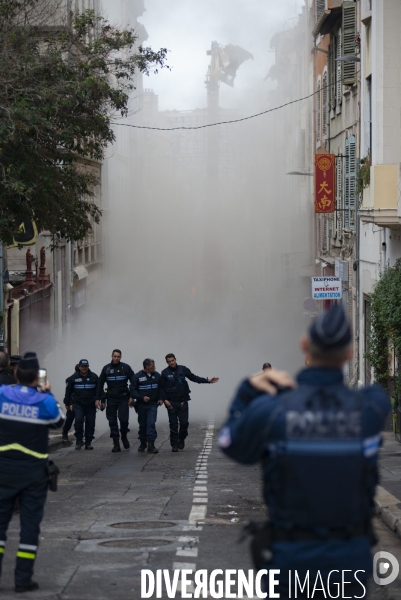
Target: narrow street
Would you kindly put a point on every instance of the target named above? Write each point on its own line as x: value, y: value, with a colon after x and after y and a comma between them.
x: 115, y: 514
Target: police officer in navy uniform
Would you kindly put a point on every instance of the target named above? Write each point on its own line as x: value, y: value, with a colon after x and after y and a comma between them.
x: 6, y: 373
x: 317, y: 442
x: 145, y: 396
x: 25, y: 417
x: 70, y: 412
x: 117, y: 375
x: 176, y: 395
x: 82, y: 386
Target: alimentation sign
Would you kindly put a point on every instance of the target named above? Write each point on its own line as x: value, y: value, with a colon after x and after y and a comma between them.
x: 326, y: 288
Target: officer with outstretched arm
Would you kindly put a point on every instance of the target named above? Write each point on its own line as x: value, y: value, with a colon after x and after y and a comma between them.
x: 317, y: 442
x: 25, y: 417
x: 176, y: 394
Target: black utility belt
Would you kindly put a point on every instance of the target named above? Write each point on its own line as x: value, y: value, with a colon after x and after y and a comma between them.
x: 279, y: 534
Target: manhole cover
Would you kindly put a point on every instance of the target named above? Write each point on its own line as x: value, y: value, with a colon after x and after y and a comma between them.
x: 142, y: 525
x: 135, y: 543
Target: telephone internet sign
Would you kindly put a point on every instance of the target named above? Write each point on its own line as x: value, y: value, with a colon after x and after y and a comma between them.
x: 326, y: 288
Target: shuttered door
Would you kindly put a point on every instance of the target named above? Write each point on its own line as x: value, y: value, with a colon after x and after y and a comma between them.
x: 339, y: 85
x: 348, y: 46
x: 332, y: 72
x: 318, y: 112
x: 325, y: 106
x: 338, y: 215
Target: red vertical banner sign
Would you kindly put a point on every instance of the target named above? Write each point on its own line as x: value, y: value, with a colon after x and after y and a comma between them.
x: 324, y: 183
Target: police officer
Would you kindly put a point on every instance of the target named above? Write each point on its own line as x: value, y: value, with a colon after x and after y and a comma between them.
x: 6, y: 373
x: 116, y: 375
x: 70, y: 412
x: 82, y: 386
x: 318, y: 443
x: 145, y: 395
x: 175, y: 392
x: 25, y: 417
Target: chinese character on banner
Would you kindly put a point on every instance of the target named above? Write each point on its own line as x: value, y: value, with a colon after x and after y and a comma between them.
x: 324, y: 183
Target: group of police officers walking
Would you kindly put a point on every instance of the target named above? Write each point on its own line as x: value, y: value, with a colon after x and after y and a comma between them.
x: 316, y: 440
x: 118, y: 388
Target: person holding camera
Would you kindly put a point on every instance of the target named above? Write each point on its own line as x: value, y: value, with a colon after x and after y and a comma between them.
x: 116, y: 375
x: 25, y: 417
x: 81, y: 387
x: 317, y: 442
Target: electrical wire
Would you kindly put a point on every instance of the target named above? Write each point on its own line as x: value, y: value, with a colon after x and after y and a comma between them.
x: 265, y: 112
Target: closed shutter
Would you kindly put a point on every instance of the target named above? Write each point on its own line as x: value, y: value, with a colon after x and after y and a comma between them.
x: 339, y: 84
x: 318, y: 112
x: 325, y: 106
x: 338, y: 215
x: 325, y: 233
x: 348, y: 45
x: 332, y: 72
x: 350, y: 183
x: 320, y: 8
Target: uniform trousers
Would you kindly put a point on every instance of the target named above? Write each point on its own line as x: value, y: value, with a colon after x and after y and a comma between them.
x: 25, y: 480
x: 69, y: 419
x: 178, y: 416
x: 147, y: 415
x: 85, y: 413
x: 117, y: 408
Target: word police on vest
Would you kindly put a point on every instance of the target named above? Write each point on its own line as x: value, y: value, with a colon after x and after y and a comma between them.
x: 19, y: 410
x: 246, y: 584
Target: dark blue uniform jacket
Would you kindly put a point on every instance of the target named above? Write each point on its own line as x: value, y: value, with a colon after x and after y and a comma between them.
x: 117, y: 378
x: 81, y: 390
x: 256, y: 430
x: 146, y: 384
x: 174, y: 383
x: 25, y: 418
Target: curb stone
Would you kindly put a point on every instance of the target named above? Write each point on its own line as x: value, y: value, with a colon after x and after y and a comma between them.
x: 386, y: 507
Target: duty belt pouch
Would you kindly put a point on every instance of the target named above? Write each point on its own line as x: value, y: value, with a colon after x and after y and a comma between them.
x: 261, y: 543
x: 52, y: 472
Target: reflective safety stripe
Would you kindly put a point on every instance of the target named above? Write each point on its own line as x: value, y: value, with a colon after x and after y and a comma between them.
x: 28, y: 555
x: 23, y: 449
x: 322, y: 448
x: 27, y: 547
x: 1, y: 550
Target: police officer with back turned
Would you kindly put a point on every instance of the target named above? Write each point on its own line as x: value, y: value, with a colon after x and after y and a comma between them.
x: 317, y: 442
x: 116, y: 375
x: 25, y: 417
x: 175, y: 392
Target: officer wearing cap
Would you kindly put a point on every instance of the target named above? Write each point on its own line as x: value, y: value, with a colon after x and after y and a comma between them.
x: 317, y: 442
x: 81, y: 390
x: 25, y: 417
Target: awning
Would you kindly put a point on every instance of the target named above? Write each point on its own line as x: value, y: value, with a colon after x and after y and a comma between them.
x: 80, y: 272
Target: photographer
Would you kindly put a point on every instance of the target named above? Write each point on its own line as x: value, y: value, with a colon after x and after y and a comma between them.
x: 318, y: 444
x: 25, y: 417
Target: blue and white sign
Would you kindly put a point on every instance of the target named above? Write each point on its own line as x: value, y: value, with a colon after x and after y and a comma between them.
x: 326, y: 288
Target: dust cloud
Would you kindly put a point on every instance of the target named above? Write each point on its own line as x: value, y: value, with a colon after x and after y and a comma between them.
x: 202, y: 257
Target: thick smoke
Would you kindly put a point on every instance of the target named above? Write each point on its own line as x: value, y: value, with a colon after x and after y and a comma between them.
x: 205, y: 266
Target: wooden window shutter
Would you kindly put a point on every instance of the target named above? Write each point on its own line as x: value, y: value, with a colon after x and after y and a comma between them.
x: 332, y: 72
x: 339, y: 84
x: 320, y: 8
x: 350, y: 183
x: 348, y: 42
x: 325, y: 106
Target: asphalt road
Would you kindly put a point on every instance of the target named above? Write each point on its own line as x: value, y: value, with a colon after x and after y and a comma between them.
x: 116, y: 514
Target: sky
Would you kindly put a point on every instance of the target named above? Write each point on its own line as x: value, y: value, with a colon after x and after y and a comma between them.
x: 187, y: 28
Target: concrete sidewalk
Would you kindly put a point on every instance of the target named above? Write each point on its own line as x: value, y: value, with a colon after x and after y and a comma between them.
x: 388, y: 496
